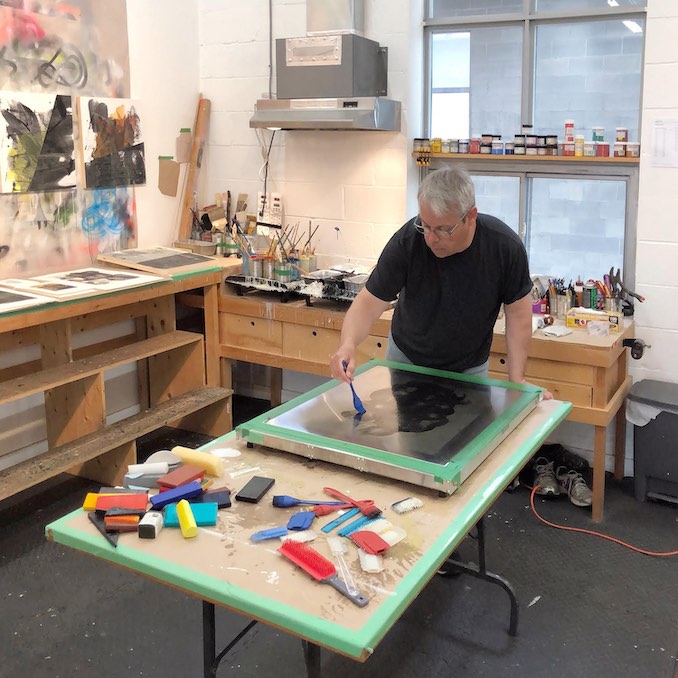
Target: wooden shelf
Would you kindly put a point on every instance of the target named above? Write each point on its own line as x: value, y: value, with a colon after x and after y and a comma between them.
x: 177, y: 378
x: 52, y: 377
x: 531, y: 158
x: 95, y: 446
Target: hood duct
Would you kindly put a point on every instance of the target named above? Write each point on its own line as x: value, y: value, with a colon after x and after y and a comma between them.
x: 330, y: 80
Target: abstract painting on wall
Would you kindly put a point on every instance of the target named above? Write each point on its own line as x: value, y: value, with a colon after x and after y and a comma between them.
x: 40, y: 233
x: 109, y: 219
x: 36, y: 138
x: 113, y: 147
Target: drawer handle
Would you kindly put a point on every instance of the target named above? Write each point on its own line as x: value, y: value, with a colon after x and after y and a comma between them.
x: 502, y: 361
x: 252, y: 323
x: 315, y: 334
x: 378, y: 344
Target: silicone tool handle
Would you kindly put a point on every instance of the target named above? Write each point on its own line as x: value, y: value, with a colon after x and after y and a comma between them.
x: 341, y: 519
x: 358, y: 599
x: 357, y: 403
x: 271, y: 533
x: 337, y: 548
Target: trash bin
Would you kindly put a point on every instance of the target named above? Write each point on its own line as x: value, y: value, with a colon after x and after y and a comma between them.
x: 652, y: 406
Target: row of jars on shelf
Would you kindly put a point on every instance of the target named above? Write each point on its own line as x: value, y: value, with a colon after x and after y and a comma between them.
x: 529, y: 145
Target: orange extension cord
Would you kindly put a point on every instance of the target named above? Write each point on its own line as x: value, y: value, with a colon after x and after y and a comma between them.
x: 596, y: 534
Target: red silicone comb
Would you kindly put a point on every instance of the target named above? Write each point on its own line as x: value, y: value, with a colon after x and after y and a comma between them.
x: 321, y: 569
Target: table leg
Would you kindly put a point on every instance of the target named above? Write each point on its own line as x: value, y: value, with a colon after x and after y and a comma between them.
x: 226, y: 372
x: 209, y: 640
x: 480, y: 572
x: 210, y: 659
x: 312, y: 658
x: 276, y: 386
x: 599, y: 440
x: 620, y: 442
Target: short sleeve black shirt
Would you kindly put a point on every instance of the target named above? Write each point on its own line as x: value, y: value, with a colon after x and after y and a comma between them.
x: 446, y: 308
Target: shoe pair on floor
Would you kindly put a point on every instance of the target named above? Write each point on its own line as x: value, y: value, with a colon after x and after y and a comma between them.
x: 561, y: 481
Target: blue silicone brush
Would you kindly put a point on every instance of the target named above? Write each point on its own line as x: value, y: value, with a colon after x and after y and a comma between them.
x: 357, y: 403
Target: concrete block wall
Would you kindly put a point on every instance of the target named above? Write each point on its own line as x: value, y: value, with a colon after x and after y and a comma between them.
x: 365, y: 184
x: 657, y: 242
x: 353, y: 185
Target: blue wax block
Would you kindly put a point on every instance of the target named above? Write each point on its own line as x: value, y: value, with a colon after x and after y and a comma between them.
x: 223, y: 498
x: 301, y: 520
x: 204, y: 514
x: 186, y: 491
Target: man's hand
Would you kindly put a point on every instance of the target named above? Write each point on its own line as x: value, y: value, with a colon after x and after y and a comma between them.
x: 344, y: 354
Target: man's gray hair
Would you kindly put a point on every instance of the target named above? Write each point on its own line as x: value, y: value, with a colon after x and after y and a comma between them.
x: 449, y: 189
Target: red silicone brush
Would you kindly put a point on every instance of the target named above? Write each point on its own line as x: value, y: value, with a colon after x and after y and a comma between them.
x: 321, y: 569
x: 365, y: 506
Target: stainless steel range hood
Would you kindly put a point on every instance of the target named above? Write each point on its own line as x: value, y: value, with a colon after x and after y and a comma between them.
x: 357, y: 113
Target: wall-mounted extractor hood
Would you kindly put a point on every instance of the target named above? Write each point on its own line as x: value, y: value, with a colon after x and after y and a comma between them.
x: 359, y: 113
x: 332, y: 79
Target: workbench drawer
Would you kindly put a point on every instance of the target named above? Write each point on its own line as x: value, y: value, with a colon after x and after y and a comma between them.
x: 316, y: 344
x: 255, y: 334
x: 552, y: 370
x: 572, y: 393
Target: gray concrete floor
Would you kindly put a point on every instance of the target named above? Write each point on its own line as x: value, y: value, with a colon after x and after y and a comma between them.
x: 587, y: 607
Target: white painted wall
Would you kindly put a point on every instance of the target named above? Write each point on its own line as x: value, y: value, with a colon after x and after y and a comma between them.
x: 364, y: 183
x: 164, y: 52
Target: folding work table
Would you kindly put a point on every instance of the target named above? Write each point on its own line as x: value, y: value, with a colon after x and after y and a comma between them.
x: 224, y: 568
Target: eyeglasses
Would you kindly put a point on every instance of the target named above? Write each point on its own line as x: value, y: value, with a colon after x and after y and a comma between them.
x: 441, y: 231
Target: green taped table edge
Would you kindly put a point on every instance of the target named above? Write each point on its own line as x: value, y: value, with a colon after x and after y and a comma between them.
x: 316, y: 629
x: 256, y: 429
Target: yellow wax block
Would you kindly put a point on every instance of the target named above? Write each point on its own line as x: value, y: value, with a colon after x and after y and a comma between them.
x: 186, y: 520
x: 213, y: 465
x: 90, y: 502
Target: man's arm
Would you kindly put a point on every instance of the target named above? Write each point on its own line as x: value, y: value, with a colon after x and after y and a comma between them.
x: 518, y: 335
x: 362, y: 314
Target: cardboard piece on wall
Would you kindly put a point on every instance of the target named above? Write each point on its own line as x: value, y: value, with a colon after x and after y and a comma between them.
x: 168, y: 175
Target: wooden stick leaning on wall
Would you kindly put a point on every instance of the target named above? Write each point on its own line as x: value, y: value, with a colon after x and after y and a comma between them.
x: 195, y: 163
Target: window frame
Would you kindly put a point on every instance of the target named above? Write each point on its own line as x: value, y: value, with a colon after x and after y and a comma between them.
x: 530, y: 19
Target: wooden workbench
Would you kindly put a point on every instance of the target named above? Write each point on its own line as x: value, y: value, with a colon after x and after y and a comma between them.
x: 178, y: 377
x: 590, y: 372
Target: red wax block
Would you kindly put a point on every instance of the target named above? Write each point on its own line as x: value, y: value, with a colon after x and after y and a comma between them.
x: 181, y: 476
x: 129, y: 501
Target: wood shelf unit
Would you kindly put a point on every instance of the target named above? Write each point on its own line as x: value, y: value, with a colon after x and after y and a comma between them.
x: 177, y: 377
x: 594, y: 160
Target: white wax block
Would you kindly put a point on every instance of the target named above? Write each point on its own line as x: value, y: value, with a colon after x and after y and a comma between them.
x: 369, y: 562
x: 153, y: 467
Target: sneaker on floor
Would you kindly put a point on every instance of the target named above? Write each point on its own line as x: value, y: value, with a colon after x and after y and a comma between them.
x: 545, y: 477
x: 574, y: 484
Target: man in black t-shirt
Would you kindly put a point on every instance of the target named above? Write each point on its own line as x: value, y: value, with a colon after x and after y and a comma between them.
x: 450, y: 268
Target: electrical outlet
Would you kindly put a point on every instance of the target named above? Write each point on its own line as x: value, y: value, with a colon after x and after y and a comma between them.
x: 269, y: 210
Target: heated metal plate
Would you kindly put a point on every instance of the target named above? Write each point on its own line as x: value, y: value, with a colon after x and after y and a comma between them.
x: 428, y: 427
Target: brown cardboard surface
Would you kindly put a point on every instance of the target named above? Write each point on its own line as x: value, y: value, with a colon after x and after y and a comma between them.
x: 225, y: 552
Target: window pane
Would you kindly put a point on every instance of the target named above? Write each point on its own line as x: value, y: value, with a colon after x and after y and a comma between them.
x: 495, y: 66
x: 451, y: 8
x: 450, y: 59
x: 498, y: 196
x: 449, y: 116
x: 589, y: 72
x: 576, y: 227
x: 570, y: 5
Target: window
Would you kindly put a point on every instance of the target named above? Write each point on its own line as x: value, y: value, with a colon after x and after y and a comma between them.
x: 495, y: 65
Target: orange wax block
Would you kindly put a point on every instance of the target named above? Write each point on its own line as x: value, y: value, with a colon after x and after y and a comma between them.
x: 121, y: 523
